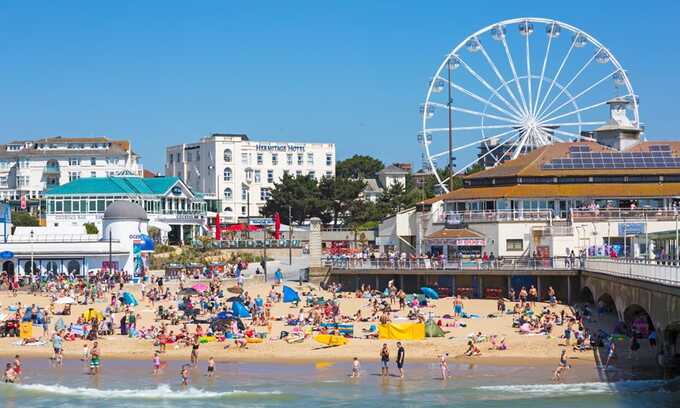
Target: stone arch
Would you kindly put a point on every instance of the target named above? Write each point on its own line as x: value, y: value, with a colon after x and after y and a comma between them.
x: 607, y: 303
x: 586, y: 296
x: 638, y: 320
x: 671, y: 343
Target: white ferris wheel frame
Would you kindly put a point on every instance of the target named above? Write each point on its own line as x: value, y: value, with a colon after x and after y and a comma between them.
x: 520, y: 105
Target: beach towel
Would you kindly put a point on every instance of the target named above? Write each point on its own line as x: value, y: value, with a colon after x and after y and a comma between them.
x: 401, y: 331
x: 289, y: 295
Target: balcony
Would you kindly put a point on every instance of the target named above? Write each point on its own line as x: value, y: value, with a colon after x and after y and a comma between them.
x: 466, y: 217
x: 604, y: 214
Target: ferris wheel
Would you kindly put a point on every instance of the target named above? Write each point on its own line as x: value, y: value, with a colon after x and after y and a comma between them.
x: 514, y: 86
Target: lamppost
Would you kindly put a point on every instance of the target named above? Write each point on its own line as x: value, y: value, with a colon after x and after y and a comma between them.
x: 247, y: 209
x: 290, y: 235
x: 32, y: 265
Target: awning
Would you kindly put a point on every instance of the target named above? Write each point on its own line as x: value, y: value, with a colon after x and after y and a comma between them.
x: 457, y: 237
x: 160, y: 225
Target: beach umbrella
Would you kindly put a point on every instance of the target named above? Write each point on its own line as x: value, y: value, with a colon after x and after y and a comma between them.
x: 188, y: 292
x: 330, y: 339
x: 200, y: 287
x: 235, y: 289
x: 429, y: 292
x: 65, y: 301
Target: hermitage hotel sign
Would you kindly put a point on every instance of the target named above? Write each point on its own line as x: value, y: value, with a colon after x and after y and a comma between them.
x: 280, y: 147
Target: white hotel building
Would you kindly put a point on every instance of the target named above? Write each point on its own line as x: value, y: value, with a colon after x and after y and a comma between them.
x: 231, y: 170
x: 31, y: 167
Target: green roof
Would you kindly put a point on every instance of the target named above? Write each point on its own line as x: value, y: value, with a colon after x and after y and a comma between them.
x: 116, y: 185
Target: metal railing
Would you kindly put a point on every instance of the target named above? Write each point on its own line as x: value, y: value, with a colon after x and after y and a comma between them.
x: 666, y: 272
x: 461, y: 217
x: 588, y: 214
x: 505, y: 263
x: 555, y: 230
x: 55, y: 238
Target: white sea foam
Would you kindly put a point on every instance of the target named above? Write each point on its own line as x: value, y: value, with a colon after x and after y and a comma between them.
x: 163, y: 391
x: 560, y: 390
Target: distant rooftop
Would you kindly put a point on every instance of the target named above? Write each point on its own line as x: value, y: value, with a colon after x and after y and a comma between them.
x: 116, y: 186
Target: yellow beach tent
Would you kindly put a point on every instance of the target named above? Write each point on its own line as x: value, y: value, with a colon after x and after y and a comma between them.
x: 401, y: 331
x: 90, y: 314
x: 331, y: 339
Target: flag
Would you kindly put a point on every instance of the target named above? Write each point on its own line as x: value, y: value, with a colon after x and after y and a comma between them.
x: 277, y: 225
x: 218, y: 228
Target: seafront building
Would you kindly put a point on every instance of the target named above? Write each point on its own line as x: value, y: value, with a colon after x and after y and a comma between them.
x: 617, y: 195
x: 236, y: 174
x: 171, y: 206
x: 28, y: 168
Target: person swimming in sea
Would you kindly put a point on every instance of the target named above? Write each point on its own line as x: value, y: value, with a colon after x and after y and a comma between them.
x: 184, y: 374
x: 10, y: 375
x: 356, y: 366
x: 211, y: 366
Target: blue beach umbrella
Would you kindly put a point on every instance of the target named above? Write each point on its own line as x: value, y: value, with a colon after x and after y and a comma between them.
x: 429, y: 292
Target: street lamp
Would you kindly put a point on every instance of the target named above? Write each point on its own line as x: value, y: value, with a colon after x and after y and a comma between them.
x: 32, y: 265
x: 248, y: 182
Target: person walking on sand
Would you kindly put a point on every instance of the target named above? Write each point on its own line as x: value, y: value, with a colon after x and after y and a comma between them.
x: 356, y: 366
x: 563, y: 366
x: 400, y: 359
x: 211, y: 366
x: 385, y: 359
x: 444, y: 366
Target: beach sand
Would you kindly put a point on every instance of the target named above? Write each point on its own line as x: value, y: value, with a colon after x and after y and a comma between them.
x: 523, y: 349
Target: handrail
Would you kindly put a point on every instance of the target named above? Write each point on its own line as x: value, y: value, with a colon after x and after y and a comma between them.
x: 623, y: 213
x: 505, y: 263
x: 458, y: 217
x: 663, y: 271
x: 56, y: 238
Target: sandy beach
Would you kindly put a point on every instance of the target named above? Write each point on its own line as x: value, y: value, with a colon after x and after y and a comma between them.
x: 522, y: 349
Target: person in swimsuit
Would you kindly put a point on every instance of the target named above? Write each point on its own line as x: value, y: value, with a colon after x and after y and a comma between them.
x: 156, y: 363
x: 385, y: 359
x: 17, y: 365
x: 211, y: 366
x: 184, y: 374
x: 94, y: 359
x: 444, y: 366
x: 194, y: 351
x: 458, y: 306
x: 356, y: 366
x: 10, y: 375
x: 400, y: 359
x: 564, y: 365
x: 57, y: 344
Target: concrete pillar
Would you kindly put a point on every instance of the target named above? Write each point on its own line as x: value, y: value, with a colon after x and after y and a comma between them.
x: 315, y: 242
x: 401, y: 282
x: 539, y: 290
x: 181, y: 234
x: 480, y: 282
x: 569, y: 290
x: 509, y: 286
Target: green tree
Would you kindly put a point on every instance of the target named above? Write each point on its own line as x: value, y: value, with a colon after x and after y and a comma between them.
x: 358, y: 167
x: 91, y: 229
x: 24, y: 219
x: 301, y: 193
x: 338, y: 195
x: 394, y: 199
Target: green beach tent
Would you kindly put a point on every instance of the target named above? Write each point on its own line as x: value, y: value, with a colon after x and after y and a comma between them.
x: 432, y: 330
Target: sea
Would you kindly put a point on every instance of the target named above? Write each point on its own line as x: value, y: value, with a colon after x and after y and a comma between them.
x: 131, y: 384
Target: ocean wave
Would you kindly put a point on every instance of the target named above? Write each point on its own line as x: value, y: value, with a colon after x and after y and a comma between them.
x: 163, y: 391
x: 561, y: 390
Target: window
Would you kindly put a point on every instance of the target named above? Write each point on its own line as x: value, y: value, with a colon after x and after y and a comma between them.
x: 198, y: 155
x: 265, y: 193
x: 243, y: 210
x: 258, y: 176
x: 22, y: 181
x: 227, y: 193
x: 93, y: 161
x: 73, y: 267
x: 329, y: 159
x: 170, y: 156
x: 244, y: 158
x: 244, y: 193
x: 312, y: 174
x: 227, y: 174
x: 514, y: 245
x: 275, y: 159
x: 227, y: 155
x: 298, y: 173
x: 289, y: 159
x: 249, y: 175
x: 329, y: 174
x: 73, y: 175
x: 300, y: 159
x: 178, y: 158
x: 74, y: 161
x: 93, y: 174
x: 3, y: 180
x: 260, y: 159
x: 270, y: 176
x: 310, y: 158
x: 188, y: 156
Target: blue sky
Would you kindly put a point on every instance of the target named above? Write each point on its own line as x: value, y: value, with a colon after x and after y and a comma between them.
x: 352, y: 73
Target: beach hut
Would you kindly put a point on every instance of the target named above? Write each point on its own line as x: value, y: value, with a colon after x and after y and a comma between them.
x: 289, y: 295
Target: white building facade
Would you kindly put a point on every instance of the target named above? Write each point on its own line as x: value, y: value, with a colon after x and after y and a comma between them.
x: 233, y: 171
x: 30, y: 168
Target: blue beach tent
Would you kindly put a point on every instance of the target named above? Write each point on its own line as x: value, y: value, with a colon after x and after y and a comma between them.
x: 129, y: 299
x: 289, y: 295
x: 239, y: 310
